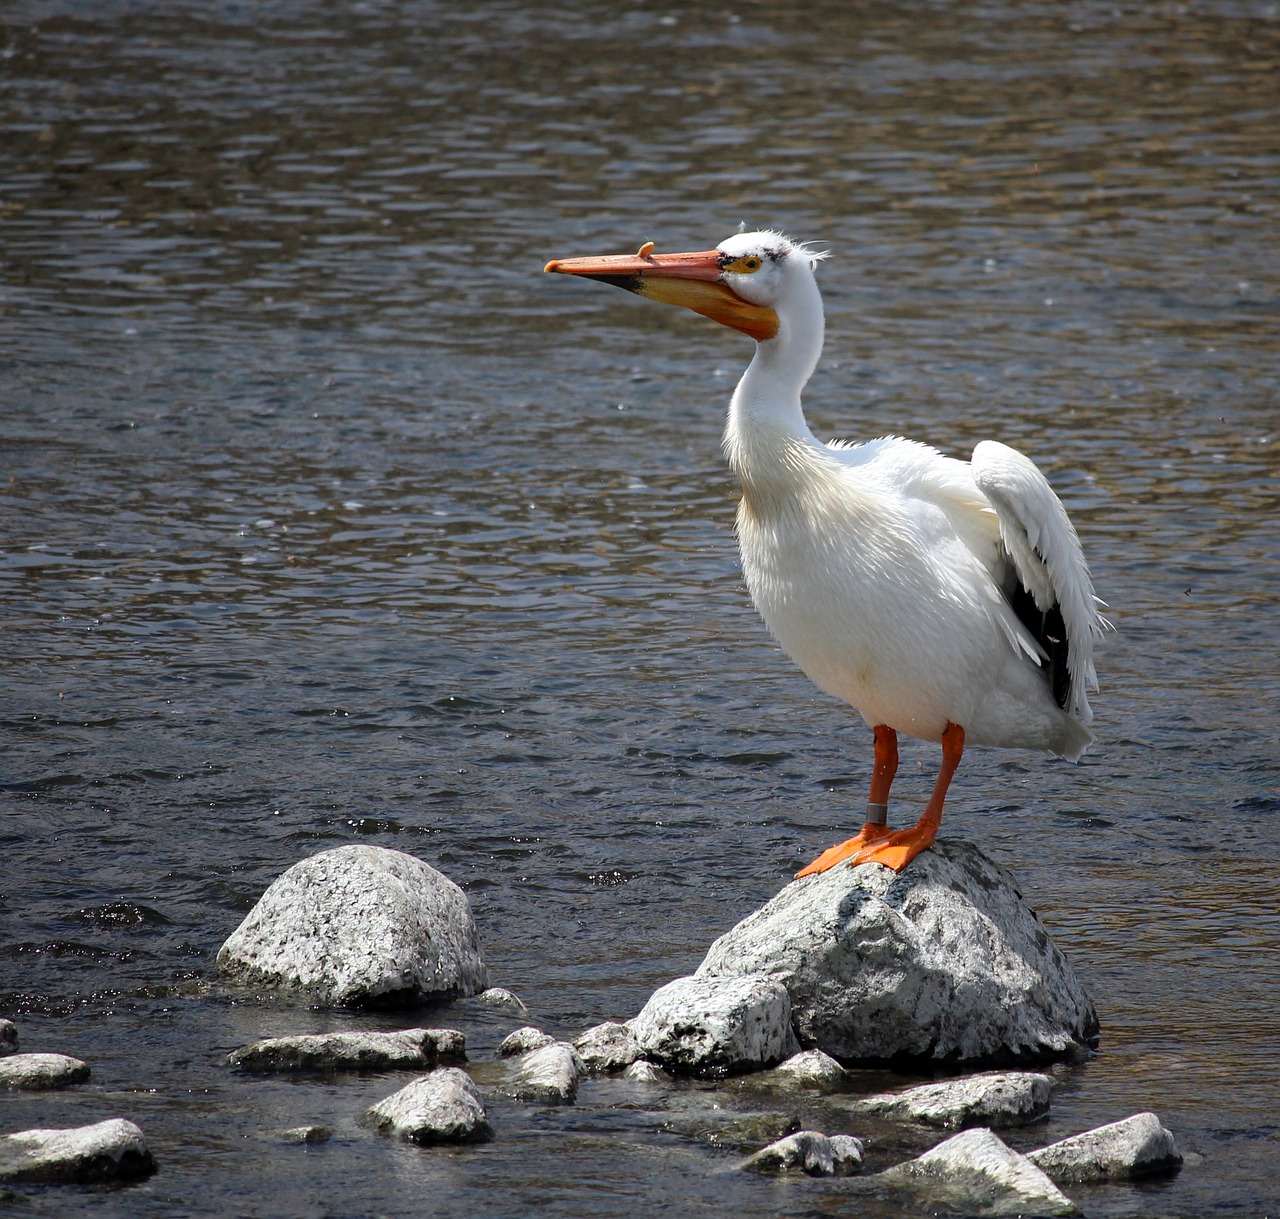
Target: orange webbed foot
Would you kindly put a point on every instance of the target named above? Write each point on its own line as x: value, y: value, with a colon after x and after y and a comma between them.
x: 898, y: 849
x: 870, y: 833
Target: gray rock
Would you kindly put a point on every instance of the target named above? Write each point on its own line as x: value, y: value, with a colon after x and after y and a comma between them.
x: 1009, y: 1098
x: 522, y: 1041
x: 977, y: 1174
x: 8, y: 1038
x: 1138, y: 1146
x: 499, y: 996
x: 443, y: 1107
x: 40, y: 1072
x: 549, y: 1075
x: 716, y: 1025
x: 943, y: 961
x: 644, y: 1072
x: 809, y: 1152
x: 359, y: 925
x: 814, y: 1069
x: 307, y: 1134
x: 608, y: 1047
x: 413, y: 1049
x: 105, y: 1151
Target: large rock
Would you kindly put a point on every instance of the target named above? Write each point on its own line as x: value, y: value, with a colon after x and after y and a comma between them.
x: 943, y: 961
x: 1139, y: 1146
x: 522, y: 1040
x: 716, y: 1026
x: 608, y: 1047
x: 8, y: 1038
x: 105, y: 1151
x: 977, y: 1174
x: 413, y: 1049
x: 443, y: 1107
x: 40, y: 1072
x: 359, y: 925
x: 1010, y: 1098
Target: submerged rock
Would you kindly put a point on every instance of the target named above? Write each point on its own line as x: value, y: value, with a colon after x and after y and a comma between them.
x: 307, y: 1134
x: 443, y: 1107
x: 522, y: 1041
x: 549, y: 1074
x: 8, y: 1038
x: 40, y: 1072
x: 608, y: 1047
x: 105, y: 1151
x: 359, y: 925
x: 977, y: 1174
x: 813, y: 1069
x: 1138, y: 1146
x: 943, y: 961
x: 414, y: 1049
x: 716, y: 1025
x: 1009, y: 1098
x: 809, y: 1152
x: 642, y: 1071
x: 499, y: 996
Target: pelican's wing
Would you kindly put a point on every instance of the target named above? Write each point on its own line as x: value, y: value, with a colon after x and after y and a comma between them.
x: 1054, y: 594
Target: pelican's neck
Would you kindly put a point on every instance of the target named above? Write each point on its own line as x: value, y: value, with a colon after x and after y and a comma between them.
x: 766, y: 431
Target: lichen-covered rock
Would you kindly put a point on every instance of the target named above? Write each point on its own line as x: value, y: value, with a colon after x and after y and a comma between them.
x: 499, y: 996
x: 359, y: 925
x: 41, y: 1072
x: 716, y: 1025
x: 996, y: 1098
x: 608, y: 1047
x: 1138, y: 1146
x: 522, y: 1040
x: 976, y: 1173
x: 105, y: 1151
x: 548, y: 1075
x: 411, y: 1049
x: 443, y: 1107
x: 812, y: 1069
x: 943, y: 961
x: 8, y: 1038
x: 809, y: 1152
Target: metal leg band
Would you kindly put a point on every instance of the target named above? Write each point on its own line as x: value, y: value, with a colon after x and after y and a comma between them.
x: 877, y: 814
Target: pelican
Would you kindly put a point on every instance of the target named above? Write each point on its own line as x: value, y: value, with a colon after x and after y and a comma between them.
x: 943, y: 599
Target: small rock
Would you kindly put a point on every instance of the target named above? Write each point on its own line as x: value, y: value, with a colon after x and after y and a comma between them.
x: 943, y: 961
x: 414, y: 1049
x: 1138, y: 1146
x: 716, y: 1025
x: 105, y: 1151
x: 443, y: 1107
x: 607, y: 1047
x: 8, y: 1038
x: 359, y: 925
x: 1010, y: 1098
x: 499, y: 996
x: 976, y: 1173
x: 644, y: 1072
x: 548, y: 1075
x: 39, y: 1072
x: 813, y: 1068
x: 810, y: 1152
x: 522, y: 1041
x: 307, y: 1134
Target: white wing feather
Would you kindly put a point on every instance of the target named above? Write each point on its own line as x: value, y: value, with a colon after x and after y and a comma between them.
x: 1046, y: 555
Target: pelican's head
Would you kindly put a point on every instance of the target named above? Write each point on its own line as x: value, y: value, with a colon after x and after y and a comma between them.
x: 741, y: 283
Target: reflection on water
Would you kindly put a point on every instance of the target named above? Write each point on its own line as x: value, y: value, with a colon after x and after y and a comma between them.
x: 326, y: 519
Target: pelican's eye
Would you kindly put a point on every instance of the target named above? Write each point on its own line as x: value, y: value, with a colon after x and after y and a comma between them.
x: 745, y: 266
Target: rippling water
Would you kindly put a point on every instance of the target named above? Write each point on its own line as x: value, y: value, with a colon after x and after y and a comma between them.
x: 327, y: 518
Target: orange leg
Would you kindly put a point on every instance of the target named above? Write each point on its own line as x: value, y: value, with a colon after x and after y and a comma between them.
x: 877, y: 806
x: 899, y: 849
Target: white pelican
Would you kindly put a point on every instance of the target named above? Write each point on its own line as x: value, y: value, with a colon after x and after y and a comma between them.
x: 944, y: 599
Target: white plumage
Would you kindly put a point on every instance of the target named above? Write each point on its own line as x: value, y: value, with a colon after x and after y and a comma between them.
x: 944, y: 599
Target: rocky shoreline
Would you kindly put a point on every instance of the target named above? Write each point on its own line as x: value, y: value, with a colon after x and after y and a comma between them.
x: 940, y: 968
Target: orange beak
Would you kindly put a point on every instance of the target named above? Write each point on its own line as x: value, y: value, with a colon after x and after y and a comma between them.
x: 691, y: 280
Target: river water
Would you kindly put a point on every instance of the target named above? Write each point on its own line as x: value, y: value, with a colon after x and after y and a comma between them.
x: 327, y: 518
